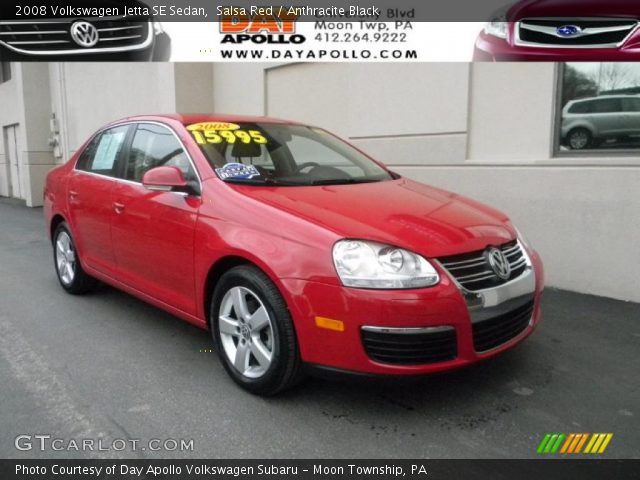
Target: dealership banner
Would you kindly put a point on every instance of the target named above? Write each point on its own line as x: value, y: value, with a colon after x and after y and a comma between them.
x: 318, y: 469
x: 235, y: 40
x: 320, y: 31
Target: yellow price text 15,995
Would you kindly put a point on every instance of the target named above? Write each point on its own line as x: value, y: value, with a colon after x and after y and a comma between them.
x: 214, y: 137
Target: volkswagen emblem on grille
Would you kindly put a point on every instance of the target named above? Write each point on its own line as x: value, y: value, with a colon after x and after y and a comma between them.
x: 569, y: 31
x: 84, y: 34
x: 498, y: 263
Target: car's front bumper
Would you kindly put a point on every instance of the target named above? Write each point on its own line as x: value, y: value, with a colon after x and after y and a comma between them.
x: 490, y: 48
x: 441, y: 306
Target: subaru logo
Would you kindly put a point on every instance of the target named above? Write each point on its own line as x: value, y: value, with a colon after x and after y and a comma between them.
x: 84, y: 34
x: 569, y: 31
x: 498, y: 263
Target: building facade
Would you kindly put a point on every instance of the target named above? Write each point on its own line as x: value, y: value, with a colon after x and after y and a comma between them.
x: 487, y: 131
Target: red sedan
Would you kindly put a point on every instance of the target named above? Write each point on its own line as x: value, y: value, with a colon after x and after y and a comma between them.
x: 296, y: 249
x: 563, y: 30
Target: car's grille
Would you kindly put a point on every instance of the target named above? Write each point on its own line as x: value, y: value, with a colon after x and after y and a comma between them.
x: 438, y: 345
x: 53, y: 36
x: 493, y: 332
x: 473, y: 272
x: 578, y: 33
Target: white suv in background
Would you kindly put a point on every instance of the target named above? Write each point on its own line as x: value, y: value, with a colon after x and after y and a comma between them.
x: 587, y: 122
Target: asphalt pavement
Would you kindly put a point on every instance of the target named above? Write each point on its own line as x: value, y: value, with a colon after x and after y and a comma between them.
x: 108, y: 367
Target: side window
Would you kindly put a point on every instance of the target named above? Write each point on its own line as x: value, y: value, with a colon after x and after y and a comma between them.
x: 608, y: 105
x: 631, y: 105
x: 580, y: 107
x: 102, y: 154
x: 156, y: 146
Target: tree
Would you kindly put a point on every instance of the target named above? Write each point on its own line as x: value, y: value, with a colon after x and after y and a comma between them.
x: 576, y: 84
x: 614, y: 76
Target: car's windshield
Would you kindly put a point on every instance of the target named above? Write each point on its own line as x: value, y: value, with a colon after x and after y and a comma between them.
x: 282, y: 155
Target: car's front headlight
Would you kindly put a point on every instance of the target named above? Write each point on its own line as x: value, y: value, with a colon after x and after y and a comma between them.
x: 365, y: 264
x: 498, y: 25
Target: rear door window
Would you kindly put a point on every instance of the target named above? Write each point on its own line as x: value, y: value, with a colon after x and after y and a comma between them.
x: 631, y: 105
x: 102, y: 155
x: 608, y: 105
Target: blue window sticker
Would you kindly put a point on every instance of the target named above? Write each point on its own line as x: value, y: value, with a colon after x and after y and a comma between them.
x: 237, y: 171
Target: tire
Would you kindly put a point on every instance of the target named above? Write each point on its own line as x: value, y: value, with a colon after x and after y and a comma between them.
x: 579, y: 139
x: 258, y: 348
x: 67, y: 263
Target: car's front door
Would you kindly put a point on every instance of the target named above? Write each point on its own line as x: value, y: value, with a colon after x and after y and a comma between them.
x: 89, y: 192
x: 153, y: 232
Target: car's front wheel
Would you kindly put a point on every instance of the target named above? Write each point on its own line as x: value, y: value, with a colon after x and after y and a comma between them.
x: 579, y: 139
x: 253, y: 332
x: 70, y: 273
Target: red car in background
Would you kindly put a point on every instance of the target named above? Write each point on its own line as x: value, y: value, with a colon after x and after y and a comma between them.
x: 296, y: 249
x: 562, y: 30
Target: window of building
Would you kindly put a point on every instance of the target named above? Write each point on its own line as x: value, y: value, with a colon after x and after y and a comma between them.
x: 599, y: 108
x: 5, y: 72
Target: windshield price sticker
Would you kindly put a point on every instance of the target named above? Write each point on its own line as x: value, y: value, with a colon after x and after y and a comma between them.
x: 204, y: 126
x: 237, y: 171
x: 213, y: 133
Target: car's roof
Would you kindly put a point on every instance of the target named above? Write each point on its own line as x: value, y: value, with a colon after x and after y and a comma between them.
x: 604, y: 97
x: 188, y: 119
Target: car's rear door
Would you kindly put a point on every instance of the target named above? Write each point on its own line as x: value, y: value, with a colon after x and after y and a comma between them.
x: 608, y: 116
x: 631, y: 108
x: 89, y: 191
x: 153, y: 232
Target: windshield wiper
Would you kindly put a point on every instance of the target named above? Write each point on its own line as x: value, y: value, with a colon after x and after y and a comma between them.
x: 344, y: 181
x: 261, y: 181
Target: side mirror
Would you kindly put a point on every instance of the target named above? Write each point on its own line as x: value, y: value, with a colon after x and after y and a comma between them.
x: 167, y: 179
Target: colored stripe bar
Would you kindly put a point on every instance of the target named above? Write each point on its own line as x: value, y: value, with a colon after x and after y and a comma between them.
x: 543, y: 443
x: 582, y: 442
x: 591, y: 443
x: 555, y: 448
x: 550, y: 443
x: 575, y: 442
x: 605, y: 444
x: 565, y: 447
x: 596, y: 447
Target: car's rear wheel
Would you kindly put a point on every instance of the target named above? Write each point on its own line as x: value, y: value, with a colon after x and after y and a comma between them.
x: 69, y: 270
x: 579, y: 139
x: 253, y: 332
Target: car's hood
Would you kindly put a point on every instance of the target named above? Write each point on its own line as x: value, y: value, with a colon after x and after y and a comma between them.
x: 575, y: 8
x: 402, y: 213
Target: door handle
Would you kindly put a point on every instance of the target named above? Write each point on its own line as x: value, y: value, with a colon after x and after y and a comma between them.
x: 118, y: 207
x: 73, y: 194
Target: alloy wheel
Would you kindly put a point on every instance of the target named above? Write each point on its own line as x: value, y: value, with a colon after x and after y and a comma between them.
x: 246, y: 332
x: 65, y: 258
x: 579, y: 140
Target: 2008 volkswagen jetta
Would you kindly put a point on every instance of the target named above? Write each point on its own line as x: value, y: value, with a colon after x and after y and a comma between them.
x: 294, y: 248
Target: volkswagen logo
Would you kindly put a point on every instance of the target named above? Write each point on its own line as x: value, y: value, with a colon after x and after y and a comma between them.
x: 498, y: 263
x: 569, y: 31
x: 84, y: 34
